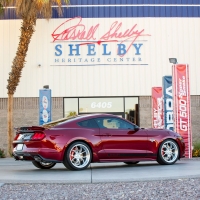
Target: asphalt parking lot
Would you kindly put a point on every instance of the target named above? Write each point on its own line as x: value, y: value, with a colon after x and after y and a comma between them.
x: 12, y: 171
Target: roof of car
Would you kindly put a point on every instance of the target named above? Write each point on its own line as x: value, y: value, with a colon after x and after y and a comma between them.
x: 82, y: 117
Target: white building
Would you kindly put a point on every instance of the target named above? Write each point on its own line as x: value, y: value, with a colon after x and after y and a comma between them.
x: 102, y: 57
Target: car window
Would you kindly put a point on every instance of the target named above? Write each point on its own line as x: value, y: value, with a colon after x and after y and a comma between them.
x: 113, y: 123
x: 125, y: 125
x: 61, y: 122
x: 88, y: 124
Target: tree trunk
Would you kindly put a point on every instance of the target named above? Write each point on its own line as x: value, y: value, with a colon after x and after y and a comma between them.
x: 27, y: 31
x: 10, y: 124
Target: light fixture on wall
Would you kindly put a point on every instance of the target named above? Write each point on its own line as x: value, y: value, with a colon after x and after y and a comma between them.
x: 46, y: 86
x: 39, y: 65
x: 173, y: 60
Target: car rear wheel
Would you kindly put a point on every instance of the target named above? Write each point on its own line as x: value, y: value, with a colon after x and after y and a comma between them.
x: 168, y: 152
x: 43, y: 165
x: 78, y: 156
x: 132, y: 163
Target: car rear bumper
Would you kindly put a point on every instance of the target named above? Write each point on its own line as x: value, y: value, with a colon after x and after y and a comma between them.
x: 31, y: 157
x: 30, y: 151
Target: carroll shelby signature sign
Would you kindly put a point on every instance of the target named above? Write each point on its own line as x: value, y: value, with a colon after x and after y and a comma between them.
x: 100, y: 41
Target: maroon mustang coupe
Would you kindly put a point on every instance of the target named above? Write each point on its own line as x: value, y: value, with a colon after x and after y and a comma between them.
x: 83, y: 139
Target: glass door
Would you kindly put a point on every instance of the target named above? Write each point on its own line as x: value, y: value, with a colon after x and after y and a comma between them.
x: 101, y: 105
x: 119, y: 114
x: 125, y: 107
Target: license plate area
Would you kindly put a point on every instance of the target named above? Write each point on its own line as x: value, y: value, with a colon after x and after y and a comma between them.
x: 19, y: 147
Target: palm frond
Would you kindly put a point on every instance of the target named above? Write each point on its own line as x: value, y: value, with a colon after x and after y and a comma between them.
x: 4, y: 4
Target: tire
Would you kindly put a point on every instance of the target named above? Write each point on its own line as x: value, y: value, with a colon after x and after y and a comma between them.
x: 132, y: 163
x: 43, y: 165
x: 78, y: 156
x: 168, y: 152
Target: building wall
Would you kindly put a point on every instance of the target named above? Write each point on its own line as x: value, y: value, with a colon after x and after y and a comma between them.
x: 99, y: 70
x: 26, y: 114
x: 195, y: 112
x: 145, y: 111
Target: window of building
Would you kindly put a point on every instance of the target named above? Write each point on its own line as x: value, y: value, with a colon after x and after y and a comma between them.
x: 70, y: 106
x: 94, y: 105
x: 125, y: 107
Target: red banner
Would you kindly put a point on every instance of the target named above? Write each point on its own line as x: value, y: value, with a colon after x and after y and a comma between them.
x: 181, y: 95
x: 157, y: 108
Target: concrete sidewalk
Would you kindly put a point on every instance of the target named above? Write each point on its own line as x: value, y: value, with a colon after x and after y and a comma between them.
x: 12, y: 171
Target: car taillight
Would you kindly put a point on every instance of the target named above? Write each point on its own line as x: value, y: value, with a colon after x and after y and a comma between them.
x: 16, y: 137
x: 38, y: 136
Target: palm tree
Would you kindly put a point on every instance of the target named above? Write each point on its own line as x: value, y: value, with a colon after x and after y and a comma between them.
x: 28, y: 11
x: 1, y: 7
x: 3, y: 3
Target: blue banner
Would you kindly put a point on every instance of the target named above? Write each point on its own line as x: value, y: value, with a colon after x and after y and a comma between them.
x: 168, y: 103
x: 44, y: 106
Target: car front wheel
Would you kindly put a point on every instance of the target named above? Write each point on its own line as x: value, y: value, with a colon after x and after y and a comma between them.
x: 78, y: 156
x: 168, y: 152
x: 43, y: 165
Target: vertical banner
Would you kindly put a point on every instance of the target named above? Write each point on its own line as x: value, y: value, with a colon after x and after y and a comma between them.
x: 168, y: 103
x: 157, y: 108
x: 181, y: 96
x: 44, y: 106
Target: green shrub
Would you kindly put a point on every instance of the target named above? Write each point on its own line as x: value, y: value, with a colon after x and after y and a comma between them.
x: 71, y: 114
x: 2, y: 153
x: 196, y: 149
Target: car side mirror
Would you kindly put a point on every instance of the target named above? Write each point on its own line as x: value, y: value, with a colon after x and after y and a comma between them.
x: 136, y: 128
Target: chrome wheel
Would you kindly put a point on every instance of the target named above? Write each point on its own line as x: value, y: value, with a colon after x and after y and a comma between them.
x: 169, y: 152
x: 45, y: 164
x: 79, y: 156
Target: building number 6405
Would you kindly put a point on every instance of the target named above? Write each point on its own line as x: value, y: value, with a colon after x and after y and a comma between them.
x: 101, y: 105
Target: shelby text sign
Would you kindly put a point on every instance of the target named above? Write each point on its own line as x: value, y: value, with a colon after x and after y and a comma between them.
x: 80, y: 41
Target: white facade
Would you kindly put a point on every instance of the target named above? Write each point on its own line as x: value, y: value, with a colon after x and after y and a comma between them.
x: 134, y: 74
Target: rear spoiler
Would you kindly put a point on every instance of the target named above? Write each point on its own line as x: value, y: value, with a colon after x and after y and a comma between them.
x: 29, y: 129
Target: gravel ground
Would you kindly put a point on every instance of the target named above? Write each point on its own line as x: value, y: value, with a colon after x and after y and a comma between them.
x: 162, y: 190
